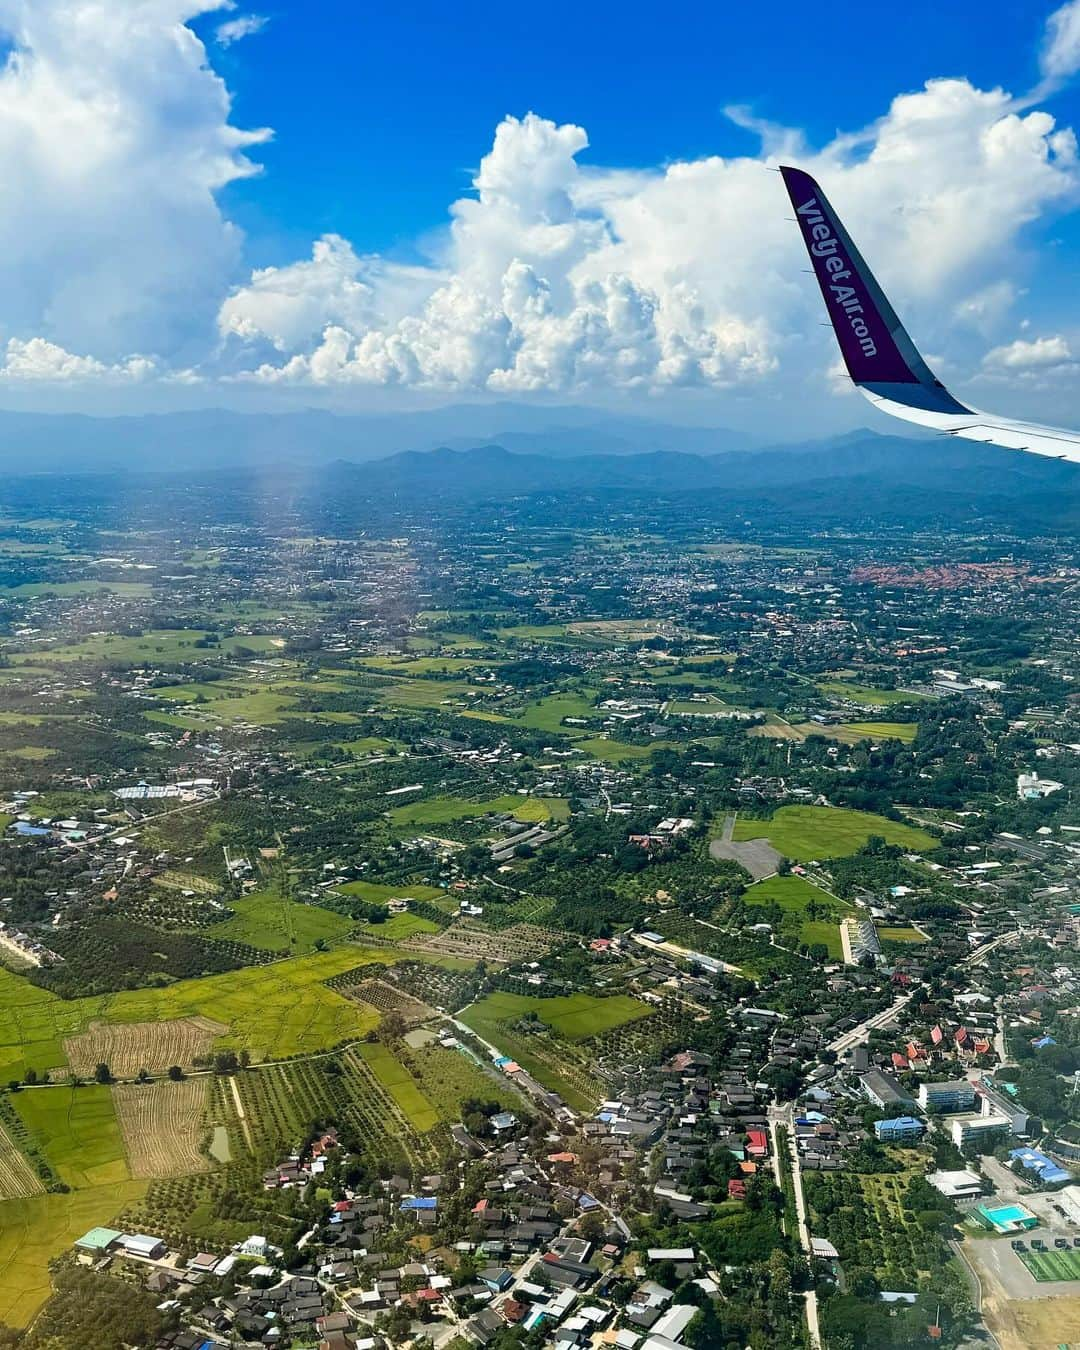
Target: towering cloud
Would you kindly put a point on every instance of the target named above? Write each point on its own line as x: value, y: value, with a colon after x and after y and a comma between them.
x: 558, y: 276
x: 114, y: 138
x: 552, y: 273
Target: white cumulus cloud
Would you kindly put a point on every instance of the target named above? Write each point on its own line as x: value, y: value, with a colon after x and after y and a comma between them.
x: 1037, y: 354
x: 234, y: 30
x: 114, y: 138
x: 1059, y: 58
x: 38, y: 359
x: 555, y: 276
x: 553, y: 272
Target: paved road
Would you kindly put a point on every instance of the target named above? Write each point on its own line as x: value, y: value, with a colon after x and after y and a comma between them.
x: 784, y: 1116
x: 863, y: 1030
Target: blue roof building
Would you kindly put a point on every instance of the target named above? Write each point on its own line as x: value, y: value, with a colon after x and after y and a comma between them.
x: 1048, y: 1170
x: 901, y: 1130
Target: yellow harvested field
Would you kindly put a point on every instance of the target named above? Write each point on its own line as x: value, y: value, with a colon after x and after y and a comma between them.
x: 163, y: 1124
x: 17, y: 1177
x: 127, y: 1047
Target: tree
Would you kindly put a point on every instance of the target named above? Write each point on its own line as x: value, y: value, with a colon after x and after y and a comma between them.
x: 176, y: 1073
x: 103, y: 1074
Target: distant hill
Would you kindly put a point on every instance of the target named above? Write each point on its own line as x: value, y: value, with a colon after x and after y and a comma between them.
x: 217, y: 437
x: 853, y: 479
x: 848, y: 478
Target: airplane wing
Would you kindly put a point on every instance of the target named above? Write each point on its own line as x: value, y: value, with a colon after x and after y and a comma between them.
x: 881, y: 359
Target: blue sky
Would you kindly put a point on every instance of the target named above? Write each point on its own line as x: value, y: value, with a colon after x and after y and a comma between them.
x: 380, y: 113
x: 283, y: 204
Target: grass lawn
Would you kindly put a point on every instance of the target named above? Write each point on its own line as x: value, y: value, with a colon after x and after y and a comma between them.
x: 35, y: 1230
x: 425, y: 693
x: 794, y: 895
x: 547, y: 713
x: 401, y: 1085
x: 441, y: 810
x: 865, y: 693
x: 76, y: 1127
x: 575, y: 1016
x: 379, y: 894
x: 400, y: 926
x: 803, y: 833
x: 901, y: 935
x: 273, y: 924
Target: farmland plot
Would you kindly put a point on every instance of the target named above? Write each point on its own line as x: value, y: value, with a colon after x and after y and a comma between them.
x: 127, y: 1047
x: 385, y: 998
x: 17, y: 1177
x: 162, y: 1124
x: 516, y: 943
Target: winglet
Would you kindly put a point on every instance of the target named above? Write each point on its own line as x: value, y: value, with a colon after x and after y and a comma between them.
x: 877, y: 351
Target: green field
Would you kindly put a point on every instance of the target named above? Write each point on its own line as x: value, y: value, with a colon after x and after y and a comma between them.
x: 901, y: 935
x: 398, y: 927
x: 378, y: 894
x: 882, y: 731
x: 442, y: 810
x: 274, y: 1011
x: 401, y: 1085
x: 546, y: 714
x: 1055, y: 1265
x: 560, y: 1067
x: 575, y: 1016
x: 865, y: 693
x: 602, y: 748
x: 168, y: 645
x: 421, y: 665
x: 35, y: 1230
x: 804, y: 833
x: 794, y: 895
x: 449, y: 1078
x: 544, y: 632
x: 426, y: 693
x: 77, y: 1130
x: 34, y: 588
x: 267, y: 921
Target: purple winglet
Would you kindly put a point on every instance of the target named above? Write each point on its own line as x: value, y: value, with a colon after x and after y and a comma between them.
x: 862, y: 318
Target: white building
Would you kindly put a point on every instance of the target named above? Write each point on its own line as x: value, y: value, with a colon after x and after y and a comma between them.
x: 1030, y: 787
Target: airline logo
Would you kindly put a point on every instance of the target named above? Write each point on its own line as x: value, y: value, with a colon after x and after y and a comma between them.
x: 834, y: 270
